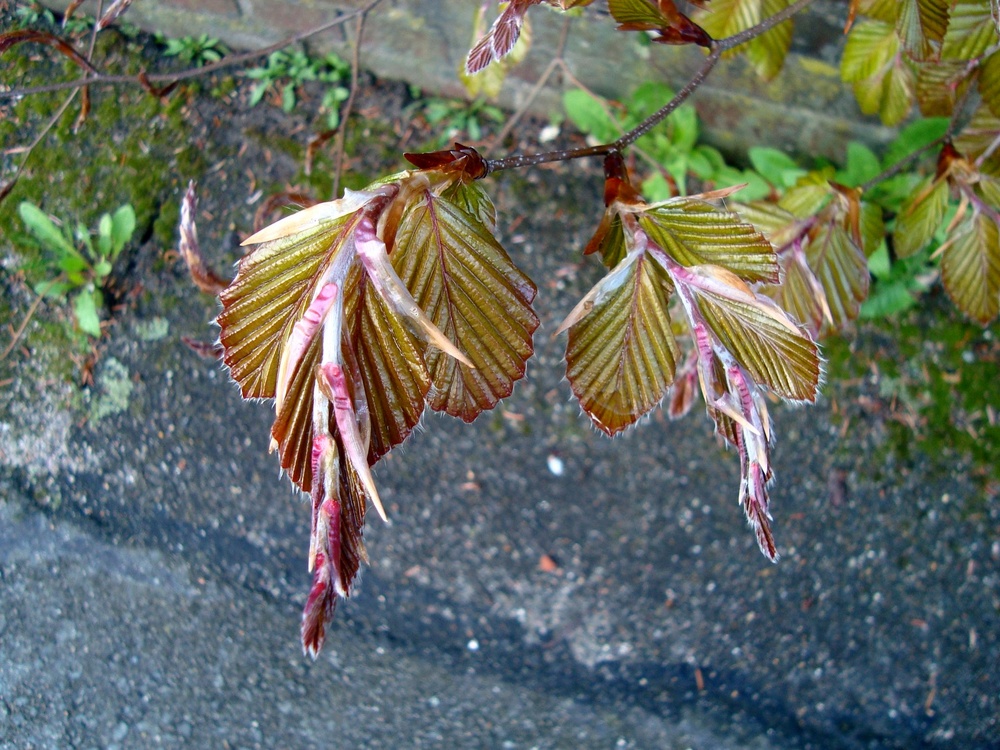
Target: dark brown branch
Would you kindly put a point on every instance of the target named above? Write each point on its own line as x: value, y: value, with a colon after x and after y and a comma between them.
x: 226, y: 62
x: 721, y: 46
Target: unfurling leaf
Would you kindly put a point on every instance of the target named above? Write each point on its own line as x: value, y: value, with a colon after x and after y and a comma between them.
x: 659, y: 16
x: 352, y: 315
x: 500, y: 40
x: 203, y: 276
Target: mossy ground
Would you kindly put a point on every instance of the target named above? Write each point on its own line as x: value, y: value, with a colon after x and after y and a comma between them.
x: 929, y: 379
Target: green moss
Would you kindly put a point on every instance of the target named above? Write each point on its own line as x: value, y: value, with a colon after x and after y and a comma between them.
x: 111, y: 392
x: 936, y: 377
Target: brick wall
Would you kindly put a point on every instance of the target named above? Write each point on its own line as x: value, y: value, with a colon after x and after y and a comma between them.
x: 424, y: 42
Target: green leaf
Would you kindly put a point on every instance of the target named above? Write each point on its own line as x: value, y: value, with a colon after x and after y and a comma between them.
x: 590, y: 116
x: 470, y: 289
x: 862, y: 165
x: 104, y: 236
x: 85, y: 306
x: 638, y: 12
x: 810, y: 194
x: 888, y: 298
x: 45, y: 231
x: 971, y: 30
x: 776, y: 166
x: 914, y: 137
x: 694, y: 232
x: 122, y: 228
x: 774, y: 351
x: 622, y: 355
x: 920, y: 217
x: 53, y: 289
x: 871, y: 47
x: 970, y: 269
x: 884, y: 80
x: 101, y: 269
x: 767, y: 52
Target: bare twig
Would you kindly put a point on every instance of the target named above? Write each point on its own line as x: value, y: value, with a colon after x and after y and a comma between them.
x: 558, y: 62
x: 27, y: 318
x: 338, y: 147
x: 226, y: 62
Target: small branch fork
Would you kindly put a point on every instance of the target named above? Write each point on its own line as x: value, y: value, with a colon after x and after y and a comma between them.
x: 719, y: 47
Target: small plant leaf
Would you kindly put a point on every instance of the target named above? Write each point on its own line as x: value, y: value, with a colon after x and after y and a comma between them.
x: 45, y: 231
x: 920, y: 217
x: 970, y: 268
x: 590, y: 116
x: 122, y: 228
x: 85, y: 306
x: 621, y: 355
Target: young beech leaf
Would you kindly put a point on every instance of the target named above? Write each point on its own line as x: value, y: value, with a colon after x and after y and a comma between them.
x: 883, y: 77
x: 970, y: 268
x: 501, y: 38
x: 694, y: 232
x: 660, y: 16
x: 920, y: 217
x: 472, y: 291
x: 972, y: 29
x: 621, y: 354
x: 922, y: 25
x: 767, y: 52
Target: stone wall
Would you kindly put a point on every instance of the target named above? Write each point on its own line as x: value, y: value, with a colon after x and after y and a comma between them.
x: 806, y: 108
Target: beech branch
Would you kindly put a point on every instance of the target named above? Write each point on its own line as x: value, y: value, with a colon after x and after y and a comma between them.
x: 719, y: 47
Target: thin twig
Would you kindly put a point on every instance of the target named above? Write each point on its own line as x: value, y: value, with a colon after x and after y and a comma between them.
x: 338, y: 147
x: 226, y: 62
x: 27, y: 318
x: 720, y: 46
x: 556, y: 63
